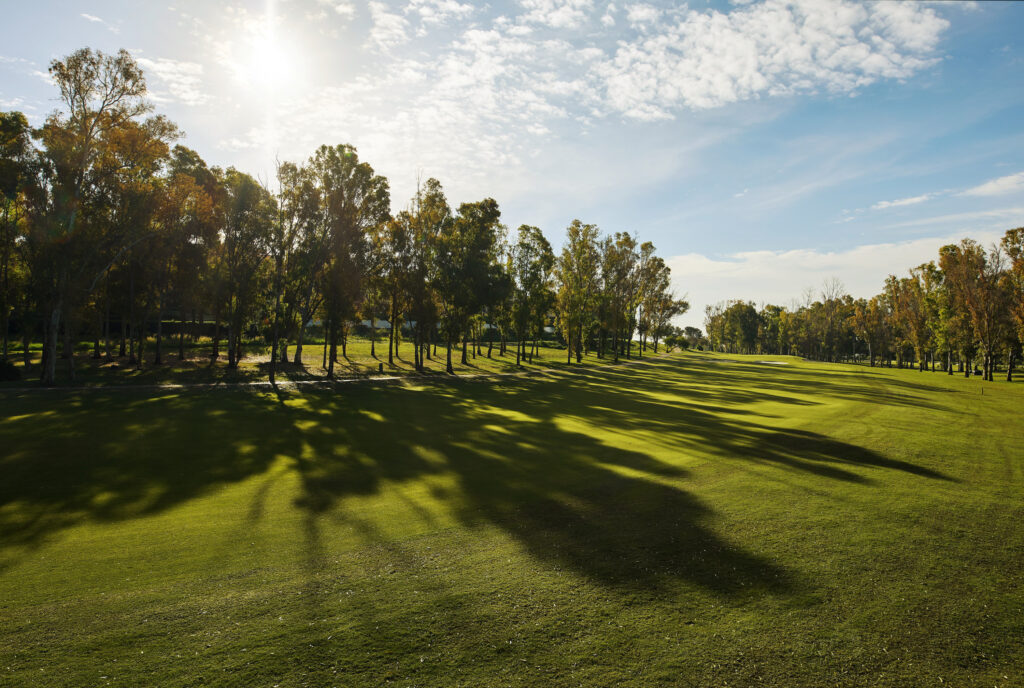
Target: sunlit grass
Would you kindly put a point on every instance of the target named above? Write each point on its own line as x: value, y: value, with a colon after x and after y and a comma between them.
x: 685, y: 521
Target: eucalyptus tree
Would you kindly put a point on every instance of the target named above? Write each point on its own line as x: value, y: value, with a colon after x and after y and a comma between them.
x: 293, y: 213
x: 15, y: 157
x: 577, y: 269
x: 432, y: 217
x: 194, y: 206
x: 247, y: 234
x: 394, y: 247
x: 353, y: 200
x: 531, y: 271
x: 665, y: 308
x: 655, y: 283
x: 976, y: 281
x: 619, y: 259
x: 186, y: 219
x: 464, y: 262
x: 100, y: 94
x: 912, y: 301
x: 1013, y: 245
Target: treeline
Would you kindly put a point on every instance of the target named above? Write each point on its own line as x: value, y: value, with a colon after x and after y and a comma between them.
x: 109, y: 231
x: 966, y: 310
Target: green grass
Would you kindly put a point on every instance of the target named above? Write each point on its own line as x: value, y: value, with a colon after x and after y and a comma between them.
x: 686, y: 521
x: 196, y: 368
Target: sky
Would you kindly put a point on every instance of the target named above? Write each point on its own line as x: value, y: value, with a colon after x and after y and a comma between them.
x: 764, y: 147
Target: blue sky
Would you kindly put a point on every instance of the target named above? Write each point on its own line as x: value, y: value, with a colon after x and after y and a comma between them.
x: 763, y: 147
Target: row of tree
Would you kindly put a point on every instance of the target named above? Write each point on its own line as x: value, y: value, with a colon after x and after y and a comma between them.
x: 965, y: 309
x: 106, y: 225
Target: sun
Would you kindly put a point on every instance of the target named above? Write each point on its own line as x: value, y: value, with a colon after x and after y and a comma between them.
x: 266, y: 61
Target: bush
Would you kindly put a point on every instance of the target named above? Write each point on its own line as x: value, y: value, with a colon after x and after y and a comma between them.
x: 8, y: 372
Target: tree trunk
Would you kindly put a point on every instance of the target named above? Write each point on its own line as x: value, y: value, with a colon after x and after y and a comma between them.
x: 181, y: 334
x: 49, y: 371
x: 216, y: 336
x: 131, y: 313
x: 157, y: 360
x: 448, y: 366
x: 465, y: 340
x: 273, y: 335
x: 298, y: 340
x: 391, y: 332
x: 333, y: 354
x: 326, y: 346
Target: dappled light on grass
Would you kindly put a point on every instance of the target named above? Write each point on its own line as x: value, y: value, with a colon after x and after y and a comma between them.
x: 580, y: 514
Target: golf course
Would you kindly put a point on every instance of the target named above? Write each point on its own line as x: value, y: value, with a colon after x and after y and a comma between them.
x: 690, y: 519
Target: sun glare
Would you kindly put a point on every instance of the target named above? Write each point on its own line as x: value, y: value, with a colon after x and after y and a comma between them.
x: 265, y: 60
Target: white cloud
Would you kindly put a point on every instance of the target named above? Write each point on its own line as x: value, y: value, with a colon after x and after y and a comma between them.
x: 780, y: 277
x: 97, y: 20
x: 608, y: 18
x: 388, y: 28
x: 996, y: 217
x: 439, y: 12
x: 709, y: 59
x: 913, y: 200
x: 342, y: 8
x: 997, y: 187
x: 182, y: 79
x: 642, y: 14
x: 557, y: 14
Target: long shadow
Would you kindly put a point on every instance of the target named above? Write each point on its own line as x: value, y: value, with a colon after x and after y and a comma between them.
x: 617, y: 516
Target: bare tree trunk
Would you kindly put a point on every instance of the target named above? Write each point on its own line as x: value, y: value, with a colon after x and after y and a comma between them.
x: 333, y: 354
x: 216, y: 335
x: 181, y: 334
x: 106, y: 322
x: 273, y: 336
x: 298, y: 339
x: 49, y: 371
x: 448, y: 365
x: 158, y: 359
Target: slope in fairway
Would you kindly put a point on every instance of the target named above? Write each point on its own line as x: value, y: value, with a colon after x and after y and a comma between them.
x: 682, y: 521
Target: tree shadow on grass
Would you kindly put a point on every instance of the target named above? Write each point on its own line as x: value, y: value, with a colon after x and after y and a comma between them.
x: 537, y: 457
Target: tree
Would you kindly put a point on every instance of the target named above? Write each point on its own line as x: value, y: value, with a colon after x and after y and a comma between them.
x: 101, y: 94
x: 577, y: 271
x: 354, y: 199
x: 531, y: 269
x: 975, y: 278
x: 1013, y: 244
x: 465, y: 256
x: 249, y: 218
x: 15, y: 157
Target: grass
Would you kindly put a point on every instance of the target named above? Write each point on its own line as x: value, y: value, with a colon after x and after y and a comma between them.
x: 196, y: 367
x: 685, y: 521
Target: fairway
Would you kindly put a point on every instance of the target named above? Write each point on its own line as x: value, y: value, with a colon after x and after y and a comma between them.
x: 686, y: 520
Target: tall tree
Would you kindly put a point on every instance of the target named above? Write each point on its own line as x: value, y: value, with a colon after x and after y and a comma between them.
x: 100, y: 93
x: 15, y: 157
x: 354, y: 199
x: 577, y: 271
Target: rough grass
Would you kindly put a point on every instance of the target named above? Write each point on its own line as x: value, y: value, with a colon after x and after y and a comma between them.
x: 685, y: 521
